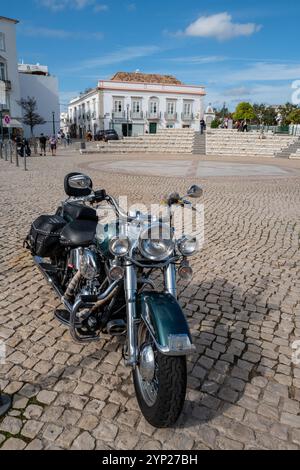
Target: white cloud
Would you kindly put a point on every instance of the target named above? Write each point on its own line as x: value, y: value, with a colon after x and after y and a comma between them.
x: 219, y: 26
x: 238, y: 91
x: 59, y: 33
x: 198, y: 59
x: 122, y: 55
x: 131, y: 7
x: 59, y: 5
x: 267, y: 72
x: 100, y: 8
x: 257, y: 93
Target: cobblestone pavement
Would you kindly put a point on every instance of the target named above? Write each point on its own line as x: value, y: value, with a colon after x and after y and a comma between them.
x: 243, y: 307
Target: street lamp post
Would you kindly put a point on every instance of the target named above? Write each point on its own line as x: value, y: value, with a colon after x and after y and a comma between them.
x: 53, y: 122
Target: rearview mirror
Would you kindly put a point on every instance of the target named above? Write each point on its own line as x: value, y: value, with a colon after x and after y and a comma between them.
x: 195, y: 192
x: 80, y: 182
x: 78, y: 185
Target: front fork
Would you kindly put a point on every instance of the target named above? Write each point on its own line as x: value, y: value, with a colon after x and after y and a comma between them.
x: 131, y: 296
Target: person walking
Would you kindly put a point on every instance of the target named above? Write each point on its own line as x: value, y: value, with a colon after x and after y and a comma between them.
x: 202, y: 125
x: 23, y: 148
x: 68, y: 139
x: 43, y: 143
x: 245, y: 126
x: 63, y: 139
x: 53, y: 145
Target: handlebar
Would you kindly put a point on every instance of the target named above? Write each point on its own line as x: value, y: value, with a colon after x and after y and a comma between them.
x: 101, y: 196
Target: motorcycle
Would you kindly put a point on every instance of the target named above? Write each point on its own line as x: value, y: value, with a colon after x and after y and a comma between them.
x: 102, y: 271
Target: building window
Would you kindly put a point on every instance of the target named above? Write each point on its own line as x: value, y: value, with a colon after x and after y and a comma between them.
x: 187, y: 109
x: 2, y: 42
x: 136, y: 107
x: 118, y: 106
x: 171, y: 108
x: 153, y: 107
x: 2, y: 71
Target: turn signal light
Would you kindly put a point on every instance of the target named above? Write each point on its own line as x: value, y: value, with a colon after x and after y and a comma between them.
x: 116, y: 273
x: 185, y: 273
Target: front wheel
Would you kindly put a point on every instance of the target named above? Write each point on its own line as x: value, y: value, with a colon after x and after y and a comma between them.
x: 160, y: 383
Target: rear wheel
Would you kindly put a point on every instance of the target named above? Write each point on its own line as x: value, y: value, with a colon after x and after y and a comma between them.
x: 160, y: 383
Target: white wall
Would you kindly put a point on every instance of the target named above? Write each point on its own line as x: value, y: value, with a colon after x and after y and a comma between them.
x: 45, y: 90
x: 75, y: 109
x: 10, y: 54
x: 127, y: 91
x: 197, y: 105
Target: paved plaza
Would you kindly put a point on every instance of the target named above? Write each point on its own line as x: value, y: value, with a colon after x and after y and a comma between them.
x: 243, y: 307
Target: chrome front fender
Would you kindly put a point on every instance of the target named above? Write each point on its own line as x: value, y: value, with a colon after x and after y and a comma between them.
x: 166, y: 323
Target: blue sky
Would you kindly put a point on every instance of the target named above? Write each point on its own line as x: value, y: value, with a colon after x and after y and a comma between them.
x: 238, y: 50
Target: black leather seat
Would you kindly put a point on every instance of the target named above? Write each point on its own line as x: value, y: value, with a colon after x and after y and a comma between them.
x: 78, y: 233
x: 76, y: 211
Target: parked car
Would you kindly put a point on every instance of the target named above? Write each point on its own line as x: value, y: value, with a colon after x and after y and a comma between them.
x: 99, y: 135
x: 107, y: 135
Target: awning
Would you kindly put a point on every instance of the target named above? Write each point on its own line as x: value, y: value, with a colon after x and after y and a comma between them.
x: 13, y: 123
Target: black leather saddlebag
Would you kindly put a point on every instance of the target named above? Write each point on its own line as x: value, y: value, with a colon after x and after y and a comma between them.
x: 44, y: 235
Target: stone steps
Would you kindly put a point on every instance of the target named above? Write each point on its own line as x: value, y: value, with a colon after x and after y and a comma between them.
x: 289, y: 151
x: 165, y: 141
x: 230, y: 142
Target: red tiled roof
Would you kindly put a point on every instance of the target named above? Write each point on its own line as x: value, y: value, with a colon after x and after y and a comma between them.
x: 145, y: 78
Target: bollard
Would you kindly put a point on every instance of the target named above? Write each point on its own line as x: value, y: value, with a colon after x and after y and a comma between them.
x: 17, y: 156
x: 10, y: 152
x: 5, y: 151
x: 5, y: 404
x: 25, y: 160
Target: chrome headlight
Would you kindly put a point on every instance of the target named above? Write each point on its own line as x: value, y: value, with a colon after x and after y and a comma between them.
x: 119, y: 246
x: 156, y: 243
x: 187, y: 245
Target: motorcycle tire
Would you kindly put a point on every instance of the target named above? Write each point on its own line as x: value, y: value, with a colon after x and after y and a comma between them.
x: 172, y: 383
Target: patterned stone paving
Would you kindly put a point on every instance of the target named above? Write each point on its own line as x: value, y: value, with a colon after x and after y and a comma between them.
x: 243, y: 307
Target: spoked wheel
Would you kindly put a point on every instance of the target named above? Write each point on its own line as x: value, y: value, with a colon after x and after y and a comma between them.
x: 160, y: 382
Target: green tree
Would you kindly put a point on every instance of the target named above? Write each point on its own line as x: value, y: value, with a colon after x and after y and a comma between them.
x: 244, y: 111
x: 215, y: 124
x: 294, y: 117
x: 222, y: 113
x: 264, y: 114
x: 285, y: 110
x: 30, y: 117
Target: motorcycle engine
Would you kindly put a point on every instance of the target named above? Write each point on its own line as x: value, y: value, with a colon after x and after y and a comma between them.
x: 85, y: 261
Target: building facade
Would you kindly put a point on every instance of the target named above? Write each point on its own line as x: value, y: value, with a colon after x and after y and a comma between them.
x: 9, y: 78
x: 135, y: 104
x: 64, y: 122
x: 36, y: 82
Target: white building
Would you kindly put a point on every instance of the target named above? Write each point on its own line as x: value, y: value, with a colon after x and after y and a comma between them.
x: 64, y: 122
x: 9, y: 78
x: 137, y: 103
x: 36, y: 82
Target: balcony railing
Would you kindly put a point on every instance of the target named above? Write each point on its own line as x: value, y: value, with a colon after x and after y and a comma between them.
x: 153, y: 115
x: 170, y: 116
x: 187, y: 116
x: 118, y: 114
x: 137, y: 114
